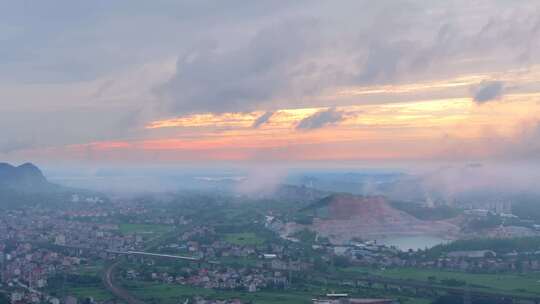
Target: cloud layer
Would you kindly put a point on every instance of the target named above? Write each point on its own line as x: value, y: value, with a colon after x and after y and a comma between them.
x: 79, y: 75
x: 269, y: 65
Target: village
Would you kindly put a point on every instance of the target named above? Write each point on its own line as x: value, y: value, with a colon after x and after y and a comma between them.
x: 39, y: 246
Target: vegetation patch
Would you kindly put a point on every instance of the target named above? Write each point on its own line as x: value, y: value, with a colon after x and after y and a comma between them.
x: 244, y: 239
x: 79, y: 286
x: 425, y: 213
x: 143, y: 229
x: 513, y: 283
x: 500, y: 246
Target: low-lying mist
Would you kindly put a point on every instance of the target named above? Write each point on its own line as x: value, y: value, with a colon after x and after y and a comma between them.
x: 434, y: 184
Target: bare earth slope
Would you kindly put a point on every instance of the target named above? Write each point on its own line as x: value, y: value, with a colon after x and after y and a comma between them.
x: 352, y: 216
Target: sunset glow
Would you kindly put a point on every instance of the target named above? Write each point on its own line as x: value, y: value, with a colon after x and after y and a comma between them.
x: 286, y: 91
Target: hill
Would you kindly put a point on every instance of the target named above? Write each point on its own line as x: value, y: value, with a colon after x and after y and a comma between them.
x: 344, y: 216
x: 25, y: 185
x: 26, y: 177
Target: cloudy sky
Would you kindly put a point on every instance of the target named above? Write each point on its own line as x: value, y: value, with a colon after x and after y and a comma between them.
x: 197, y: 80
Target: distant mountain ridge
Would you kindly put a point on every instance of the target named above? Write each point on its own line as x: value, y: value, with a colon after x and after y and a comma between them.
x: 292, y: 193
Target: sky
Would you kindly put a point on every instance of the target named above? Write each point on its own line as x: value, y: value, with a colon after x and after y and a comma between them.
x: 199, y: 81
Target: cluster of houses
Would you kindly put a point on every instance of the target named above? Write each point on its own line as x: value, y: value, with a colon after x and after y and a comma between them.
x: 36, y: 245
x: 484, y: 261
x: 345, y: 299
x: 203, y: 242
x: 25, y: 271
x: 224, y: 278
x: 25, y: 264
x: 201, y: 300
x: 24, y: 297
x: 40, y: 228
x: 267, y: 269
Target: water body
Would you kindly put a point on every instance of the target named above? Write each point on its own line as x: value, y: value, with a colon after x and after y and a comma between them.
x: 406, y: 243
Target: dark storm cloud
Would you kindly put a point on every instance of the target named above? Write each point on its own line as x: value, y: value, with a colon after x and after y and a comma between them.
x: 320, y: 119
x: 488, y: 91
x: 261, y: 120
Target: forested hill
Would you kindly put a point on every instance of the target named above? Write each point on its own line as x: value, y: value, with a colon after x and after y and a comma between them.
x: 25, y: 185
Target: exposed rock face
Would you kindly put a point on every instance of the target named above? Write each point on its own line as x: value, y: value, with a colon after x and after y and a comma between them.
x: 349, y: 216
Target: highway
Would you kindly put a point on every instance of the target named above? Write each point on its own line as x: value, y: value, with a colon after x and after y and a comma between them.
x: 156, y: 255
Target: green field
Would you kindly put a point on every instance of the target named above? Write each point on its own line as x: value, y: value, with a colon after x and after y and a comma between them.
x: 81, y: 291
x: 143, y: 229
x: 95, y: 268
x: 169, y: 294
x: 243, y: 239
x: 172, y: 294
x: 515, y: 283
x: 83, y: 282
x: 97, y: 292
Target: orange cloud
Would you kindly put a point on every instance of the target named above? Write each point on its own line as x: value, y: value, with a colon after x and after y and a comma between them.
x: 441, y: 128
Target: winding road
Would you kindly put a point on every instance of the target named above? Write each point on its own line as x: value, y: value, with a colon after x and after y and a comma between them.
x: 123, y: 294
x: 108, y: 280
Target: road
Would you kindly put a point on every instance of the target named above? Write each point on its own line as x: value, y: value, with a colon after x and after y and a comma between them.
x: 108, y: 280
x: 108, y: 277
x: 156, y: 255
